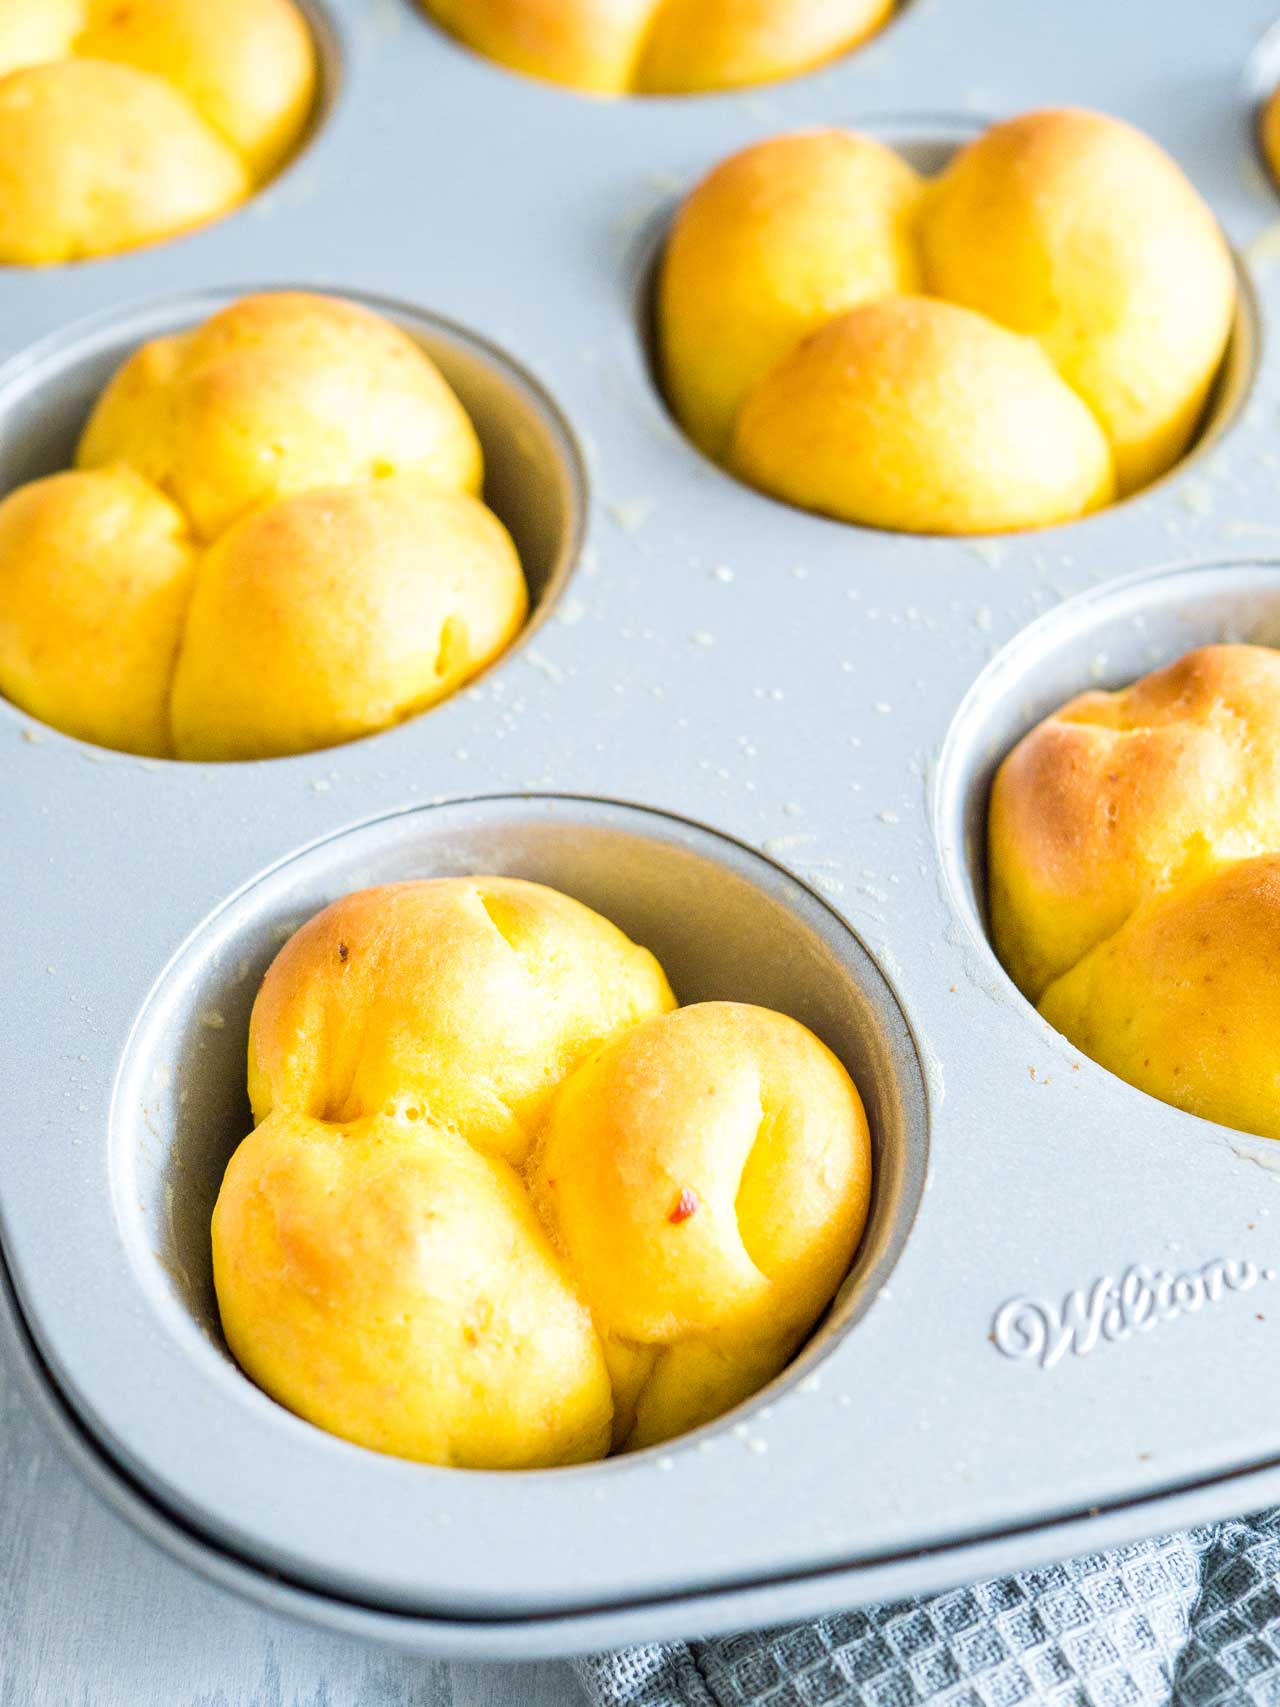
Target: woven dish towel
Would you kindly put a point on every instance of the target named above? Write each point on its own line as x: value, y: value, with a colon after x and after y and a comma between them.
x: 1190, y: 1621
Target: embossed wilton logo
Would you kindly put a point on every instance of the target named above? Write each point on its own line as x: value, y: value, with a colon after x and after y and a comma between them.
x: 1036, y: 1330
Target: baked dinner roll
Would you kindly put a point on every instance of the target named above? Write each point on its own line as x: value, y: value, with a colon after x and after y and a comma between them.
x: 660, y: 47
x: 85, y: 555
x: 276, y: 394
x: 1120, y: 795
x: 274, y: 542
x: 248, y: 67
x: 1184, y: 1002
x: 503, y: 1206
x: 1269, y: 133
x: 1079, y: 232
x: 96, y: 158
x: 1133, y: 859
x: 268, y: 668
x: 707, y: 1175
x: 469, y: 997
x: 392, y: 1284
x: 123, y: 124
x: 911, y: 413
x: 779, y: 240
x: 1009, y: 346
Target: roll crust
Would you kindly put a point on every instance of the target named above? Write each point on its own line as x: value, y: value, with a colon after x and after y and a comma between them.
x: 124, y: 124
x: 1011, y: 345
x: 660, y: 47
x: 329, y: 568
x: 1133, y: 847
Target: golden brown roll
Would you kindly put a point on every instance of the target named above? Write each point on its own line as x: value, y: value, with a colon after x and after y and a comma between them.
x: 910, y: 413
x: 503, y: 1206
x: 1184, y: 1000
x: 273, y: 542
x: 1078, y: 231
x: 277, y: 394
x: 248, y: 67
x: 124, y: 124
x: 1133, y: 842
x: 1118, y: 795
x: 776, y: 242
x: 1269, y: 133
x: 470, y: 998
x: 660, y: 47
x: 392, y: 1284
x: 85, y: 555
x: 707, y: 1175
x: 1009, y: 346
x: 267, y: 667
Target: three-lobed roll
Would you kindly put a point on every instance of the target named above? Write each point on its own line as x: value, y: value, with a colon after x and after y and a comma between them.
x: 124, y: 124
x: 1134, y: 880
x: 1013, y: 344
x: 273, y: 540
x: 506, y: 1205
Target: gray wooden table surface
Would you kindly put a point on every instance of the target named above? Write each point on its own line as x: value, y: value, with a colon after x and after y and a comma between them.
x: 90, y: 1616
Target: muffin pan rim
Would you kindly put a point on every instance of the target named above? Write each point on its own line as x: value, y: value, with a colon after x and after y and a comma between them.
x: 553, y: 1634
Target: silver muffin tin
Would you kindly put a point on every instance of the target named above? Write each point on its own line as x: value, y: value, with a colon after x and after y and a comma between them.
x: 757, y: 739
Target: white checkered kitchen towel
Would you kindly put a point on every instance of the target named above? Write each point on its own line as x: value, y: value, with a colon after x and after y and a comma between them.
x: 1190, y: 1621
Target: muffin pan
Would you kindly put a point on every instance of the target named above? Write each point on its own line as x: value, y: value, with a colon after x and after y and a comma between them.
x: 758, y: 740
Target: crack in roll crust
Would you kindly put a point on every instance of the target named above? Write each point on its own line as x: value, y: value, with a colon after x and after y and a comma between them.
x: 1012, y: 344
x: 660, y: 47
x: 505, y: 1205
x: 273, y: 541
x: 123, y: 122
x: 1134, y: 844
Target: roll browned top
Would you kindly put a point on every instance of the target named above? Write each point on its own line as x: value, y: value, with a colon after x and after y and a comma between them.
x: 1134, y: 841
